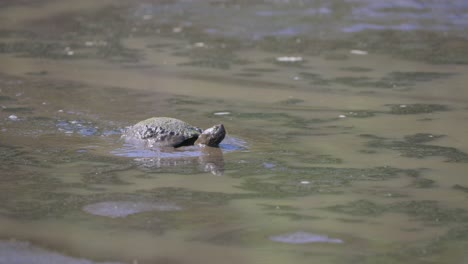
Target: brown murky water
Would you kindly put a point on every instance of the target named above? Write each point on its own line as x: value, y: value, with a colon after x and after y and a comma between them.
x: 347, y: 123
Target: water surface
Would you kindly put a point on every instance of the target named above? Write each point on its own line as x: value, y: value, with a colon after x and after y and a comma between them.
x: 346, y: 123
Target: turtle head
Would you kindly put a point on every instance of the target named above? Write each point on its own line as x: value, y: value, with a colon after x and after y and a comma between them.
x: 212, y: 136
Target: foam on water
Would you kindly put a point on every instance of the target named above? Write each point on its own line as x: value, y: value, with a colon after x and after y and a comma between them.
x: 302, y: 237
x: 116, y: 209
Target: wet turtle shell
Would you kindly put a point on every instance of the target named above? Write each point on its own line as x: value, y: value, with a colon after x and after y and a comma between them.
x: 166, y: 131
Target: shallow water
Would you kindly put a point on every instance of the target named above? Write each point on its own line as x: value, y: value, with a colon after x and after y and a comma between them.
x: 346, y: 123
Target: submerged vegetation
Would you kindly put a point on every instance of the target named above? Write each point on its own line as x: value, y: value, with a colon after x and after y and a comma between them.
x: 414, y: 146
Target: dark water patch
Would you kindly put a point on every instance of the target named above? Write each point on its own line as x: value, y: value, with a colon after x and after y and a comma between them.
x: 216, y: 58
x: 350, y: 220
x: 419, y: 252
x: 416, y: 76
x: 423, y: 45
x: 430, y: 212
x: 43, y: 197
x: 184, y: 196
x: 14, y: 156
x: 275, y: 207
x: 301, y: 45
x: 324, y: 159
x: 34, y: 49
x: 409, y: 109
x: 336, y: 56
x: 402, y: 9
x: 420, y: 138
x: 359, y: 208
x: 460, y: 188
x: 422, y: 183
x: 248, y: 74
x: 4, y: 98
x: 38, y: 73
x: 18, y: 109
x: 356, y: 69
x: 427, y: 211
x: 103, y: 178
x: 185, y: 100
x: 290, y: 182
x: 116, y: 51
x: 284, y: 120
x: 393, y: 80
x: 213, y: 64
x: 360, y: 113
x: 288, y: 211
x: 411, y: 147
x: 291, y: 101
x: 263, y: 116
x: 314, y: 78
x: 260, y: 70
x: 367, y: 82
x: 294, y: 216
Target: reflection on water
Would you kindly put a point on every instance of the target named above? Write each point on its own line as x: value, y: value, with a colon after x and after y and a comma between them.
x: 346, y: 122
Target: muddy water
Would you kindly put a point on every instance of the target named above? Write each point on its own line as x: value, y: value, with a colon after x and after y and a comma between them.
x: 346, y: 123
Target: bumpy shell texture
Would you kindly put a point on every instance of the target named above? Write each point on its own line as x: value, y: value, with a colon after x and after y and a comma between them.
x: 165, y: 131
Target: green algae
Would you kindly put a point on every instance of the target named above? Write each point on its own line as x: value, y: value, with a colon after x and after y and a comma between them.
x: 421, y: 45
x: 361, y: 113
x: 35, y: 49
x: 356, y: 69
x: 248, y: 74
x: 423, y: 183
x: 290, y: 182
x: 18, y: 109
x: 294, y: 216
x: 426, y: 211
x: 216, y: 57
x: 4, y: 98
x: 336, y: 56
x: 460, y: 188
x: 323, y: 159
x: 291, y: 101
x: 451, y: 243
x: 393, y: 80
x: 421, y: 138
x: 409, y: 109
x: 314, y: 78
x: 417, y: 76
x: 260, y: 70
x: 413, y: 146
x: 275, y: 207
x: 358, y: 208
x: 206, y: 63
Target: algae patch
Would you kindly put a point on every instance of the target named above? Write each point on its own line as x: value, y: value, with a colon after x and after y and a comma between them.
x: 290, y: 182
x: 414, y: 146
x: 408, y: 109
x: 427, y: 211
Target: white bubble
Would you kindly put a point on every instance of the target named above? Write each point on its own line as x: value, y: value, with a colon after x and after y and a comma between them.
x: 289, y: 59
x: 222, y: 113
x: 359, y: 52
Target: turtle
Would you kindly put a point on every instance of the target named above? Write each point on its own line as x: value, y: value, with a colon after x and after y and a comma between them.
x: 172, y: 132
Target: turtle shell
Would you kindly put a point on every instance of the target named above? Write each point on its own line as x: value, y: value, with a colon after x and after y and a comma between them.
x: 165, y: 131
